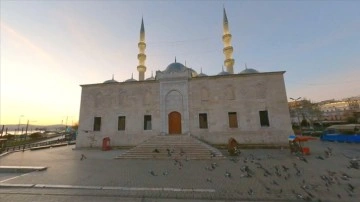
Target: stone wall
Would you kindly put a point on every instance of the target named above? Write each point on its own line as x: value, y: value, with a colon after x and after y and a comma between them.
x: 246, y: 95
x: 108, y: 101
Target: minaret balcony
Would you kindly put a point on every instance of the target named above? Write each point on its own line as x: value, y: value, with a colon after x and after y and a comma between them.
x: 141, y: 56
x: 141, y: 68
x: 229, y: 62
x: 228, y: 50
x: 226, y: 37
x: 141, y: 45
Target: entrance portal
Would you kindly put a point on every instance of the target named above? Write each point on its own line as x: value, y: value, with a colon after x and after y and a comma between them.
x: 174, y: 123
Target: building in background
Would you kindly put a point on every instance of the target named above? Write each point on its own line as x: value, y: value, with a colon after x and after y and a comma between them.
x: 327, y: 112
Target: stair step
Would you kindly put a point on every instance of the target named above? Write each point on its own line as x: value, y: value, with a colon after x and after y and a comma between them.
x: 192, y: 148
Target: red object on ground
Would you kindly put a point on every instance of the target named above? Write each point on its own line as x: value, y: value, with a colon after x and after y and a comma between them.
x: 106, y: 144
x: 306, y: 150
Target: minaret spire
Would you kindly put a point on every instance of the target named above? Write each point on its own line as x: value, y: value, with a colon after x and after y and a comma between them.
x: 141, y: 56
x: 228, y: 49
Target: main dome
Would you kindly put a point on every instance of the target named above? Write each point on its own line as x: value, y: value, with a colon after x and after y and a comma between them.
x: 175, y: 67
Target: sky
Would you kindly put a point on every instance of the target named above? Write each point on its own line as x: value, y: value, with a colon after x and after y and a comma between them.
x: 49, y: 48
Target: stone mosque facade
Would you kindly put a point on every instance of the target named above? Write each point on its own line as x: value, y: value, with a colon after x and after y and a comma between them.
x: 249, y: 106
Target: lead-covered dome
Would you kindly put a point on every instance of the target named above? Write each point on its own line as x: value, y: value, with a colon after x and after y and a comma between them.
x: 249, y: 71
x: 175, y: 67
x: 110, y: 81
x: 223, y: 73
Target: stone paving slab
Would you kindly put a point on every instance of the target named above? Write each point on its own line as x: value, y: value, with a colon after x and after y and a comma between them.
x: 100, y: 169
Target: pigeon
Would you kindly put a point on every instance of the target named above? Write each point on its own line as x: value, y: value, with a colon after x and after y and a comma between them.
x: 275, y: 183
x: 299, y: 196
x: 234, y: 160
x: 344, y: 176
x: 285, y: 168
x: 209, y: 180
x: 227, y: 174
x: 268, y: 190
x: 165, y: 173
x: 302, y: 158
x: 287, y: 176
x: 214, y: 165
x: 152, y: 173
x: 209, y: 168
x: 250, y: 191
x: 182, y: 152
x: 327, y: 154
x: 354, y: 164
x: 176, y: 162
x: 258, y: 165
x: 156, y: 151
x: 320, y: 157
x: 277, y: 171
x: 351, y: 187
x: 82, y: 157
x: 331, y: 173
x: 168, y: 152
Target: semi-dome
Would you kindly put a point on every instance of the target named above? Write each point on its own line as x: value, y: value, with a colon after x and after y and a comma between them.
x: 249, y: 71
x: 175, y: 67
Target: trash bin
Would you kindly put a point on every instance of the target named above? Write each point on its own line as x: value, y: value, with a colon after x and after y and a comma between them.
x: 106, y: 144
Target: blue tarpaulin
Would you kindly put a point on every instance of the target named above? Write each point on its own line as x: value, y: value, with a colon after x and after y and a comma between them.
x: 355, y: 138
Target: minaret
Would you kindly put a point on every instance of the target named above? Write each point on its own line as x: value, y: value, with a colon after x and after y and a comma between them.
x: 228, y: 49
x: 141, y: 56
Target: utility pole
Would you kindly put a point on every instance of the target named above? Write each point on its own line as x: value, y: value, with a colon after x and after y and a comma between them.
x: 19, y: 122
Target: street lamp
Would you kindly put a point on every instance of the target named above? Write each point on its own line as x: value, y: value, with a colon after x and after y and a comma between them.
x: 19, y: 122
x: 297, y: 111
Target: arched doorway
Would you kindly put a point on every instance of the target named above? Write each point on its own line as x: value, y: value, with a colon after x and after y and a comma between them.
x: 174, y: 123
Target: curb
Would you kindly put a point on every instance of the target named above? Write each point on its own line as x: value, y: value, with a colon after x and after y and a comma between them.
x: 21, y: 169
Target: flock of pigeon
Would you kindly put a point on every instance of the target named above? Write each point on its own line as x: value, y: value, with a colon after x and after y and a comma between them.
x: 274, y: 178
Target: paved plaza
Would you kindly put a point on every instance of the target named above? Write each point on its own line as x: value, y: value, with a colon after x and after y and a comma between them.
x: 256, y: 175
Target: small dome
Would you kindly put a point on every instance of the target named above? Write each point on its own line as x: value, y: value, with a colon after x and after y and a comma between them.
x: 110, y: 81
x: 150, y: 78
x: 175, y: 67
x: 223, y: 73
x: 130, y: 80
x: 202, y: 74
x: 249, y: 71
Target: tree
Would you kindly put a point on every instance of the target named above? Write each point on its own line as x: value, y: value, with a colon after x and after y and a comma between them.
x: 75, y: 126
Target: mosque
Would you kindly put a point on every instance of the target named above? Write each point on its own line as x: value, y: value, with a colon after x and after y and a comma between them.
x: 250, y: 106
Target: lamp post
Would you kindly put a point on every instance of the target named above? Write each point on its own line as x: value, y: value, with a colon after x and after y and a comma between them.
x: 297, y: 111
x: 19, y: 122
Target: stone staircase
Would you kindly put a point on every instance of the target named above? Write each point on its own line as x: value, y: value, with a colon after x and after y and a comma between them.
x: 172, y: 147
